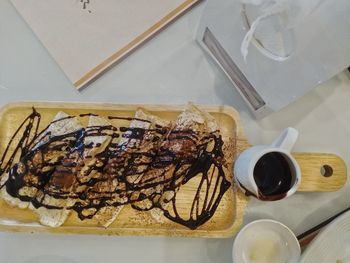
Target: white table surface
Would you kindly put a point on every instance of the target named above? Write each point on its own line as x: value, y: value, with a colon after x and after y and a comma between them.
x: 169, y: 69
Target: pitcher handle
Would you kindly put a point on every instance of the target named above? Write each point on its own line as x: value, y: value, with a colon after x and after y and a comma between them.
x: 286, y: 139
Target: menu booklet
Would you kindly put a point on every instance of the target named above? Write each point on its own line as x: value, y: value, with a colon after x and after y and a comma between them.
x: 86, y: 37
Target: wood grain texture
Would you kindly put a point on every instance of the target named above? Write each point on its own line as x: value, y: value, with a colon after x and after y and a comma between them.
x: 139, y: 40
x: 321, y: 172
x: 311, y: 165
x: 229, y: 215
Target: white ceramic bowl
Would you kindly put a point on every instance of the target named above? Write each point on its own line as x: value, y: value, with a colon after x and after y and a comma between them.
x: 266, y: 241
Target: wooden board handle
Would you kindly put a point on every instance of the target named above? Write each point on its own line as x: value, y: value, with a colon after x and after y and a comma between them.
x: 321, y: 172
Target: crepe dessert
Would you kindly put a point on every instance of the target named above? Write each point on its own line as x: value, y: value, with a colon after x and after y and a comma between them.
x: 94, y: 171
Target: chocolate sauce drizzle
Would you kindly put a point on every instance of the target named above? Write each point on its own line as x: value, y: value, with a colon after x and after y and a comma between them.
x: 144, y: 168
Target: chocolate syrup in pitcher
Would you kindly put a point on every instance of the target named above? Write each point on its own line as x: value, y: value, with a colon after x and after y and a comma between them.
x: 273, y: 175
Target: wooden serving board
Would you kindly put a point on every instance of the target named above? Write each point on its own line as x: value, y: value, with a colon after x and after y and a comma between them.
x: 227, y: 218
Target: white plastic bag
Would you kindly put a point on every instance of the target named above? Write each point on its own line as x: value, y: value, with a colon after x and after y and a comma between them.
x: 290, y: 13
